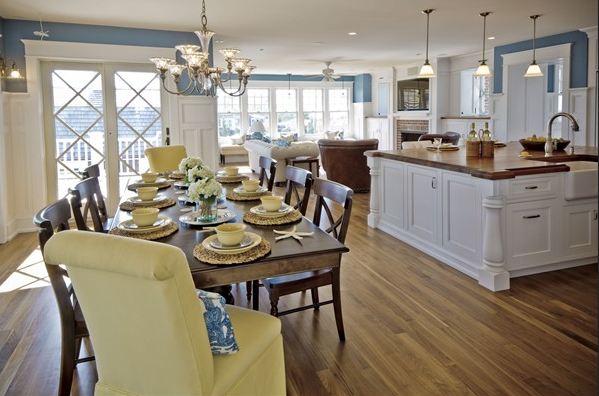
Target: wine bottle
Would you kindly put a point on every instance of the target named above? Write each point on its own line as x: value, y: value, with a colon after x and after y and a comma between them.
x: 486, y: 133
x: 472, y: 135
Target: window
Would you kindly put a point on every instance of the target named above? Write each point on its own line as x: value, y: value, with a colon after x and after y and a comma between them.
x: 229, y: 114
x: 474, y: 93
x: 313, y: 111
x: 258, y: 106
x: 286, y: 105
x: 338, y: 109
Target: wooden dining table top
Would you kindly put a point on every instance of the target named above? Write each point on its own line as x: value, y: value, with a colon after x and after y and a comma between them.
x: 286, y: 257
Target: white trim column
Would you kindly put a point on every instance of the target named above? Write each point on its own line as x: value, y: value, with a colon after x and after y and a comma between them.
x: 493, y: 275
x: 375, y: 170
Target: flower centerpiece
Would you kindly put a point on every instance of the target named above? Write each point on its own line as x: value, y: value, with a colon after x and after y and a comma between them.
x: 198, y: 173
x: 189, y: 163
x: 204, y: 192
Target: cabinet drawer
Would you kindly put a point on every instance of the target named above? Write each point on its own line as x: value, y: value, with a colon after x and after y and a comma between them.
x: 530, y: 236
x: 532, y: 187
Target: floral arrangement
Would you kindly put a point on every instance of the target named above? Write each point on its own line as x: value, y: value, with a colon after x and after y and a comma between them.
x: 188, y: 163
x: 204, y: 189
x: 199, y: 172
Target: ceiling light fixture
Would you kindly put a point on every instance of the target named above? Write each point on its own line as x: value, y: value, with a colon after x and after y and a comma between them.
x: 483, y: 69
x: 352, y: 34
x: 204, y: 79
x: 426, y: 70
x: 491, y: 38
x: 12, y: 72
x: 533, y: 69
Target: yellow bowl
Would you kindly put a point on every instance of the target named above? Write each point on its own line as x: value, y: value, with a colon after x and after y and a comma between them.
x: 146, y: 193
x: 230, y: 234
x: 271, y: 203
x: 144, y: 217
x: 149, y: 177
x: 250, y: 185
x: 231, y: 170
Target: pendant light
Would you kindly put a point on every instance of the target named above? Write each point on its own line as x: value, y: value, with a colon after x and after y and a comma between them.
x: 426, y: 70
x: 483, y: 69
x: 533, y: 69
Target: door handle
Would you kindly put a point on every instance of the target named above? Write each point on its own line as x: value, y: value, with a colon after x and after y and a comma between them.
x: 594, y: 214
x: 434, y: 183
x: 531, y: 216
x: 531, y: 187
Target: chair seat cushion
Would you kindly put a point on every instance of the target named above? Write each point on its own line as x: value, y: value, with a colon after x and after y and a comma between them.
x: 233, y: 149
x: 220, y: 331
x: 255, y: 332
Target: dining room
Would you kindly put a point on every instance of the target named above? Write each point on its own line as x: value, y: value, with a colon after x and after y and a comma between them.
x: 188, y: 207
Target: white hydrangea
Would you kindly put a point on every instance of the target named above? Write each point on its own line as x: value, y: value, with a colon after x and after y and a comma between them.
x: 204, y: 189
x: 199, y: 172
x: 189, y: 163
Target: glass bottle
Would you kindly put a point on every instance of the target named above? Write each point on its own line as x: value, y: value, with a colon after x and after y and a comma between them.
x: 486, y: 133
x: 472, y: 135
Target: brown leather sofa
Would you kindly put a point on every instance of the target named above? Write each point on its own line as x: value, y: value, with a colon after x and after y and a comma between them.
x: 344, y: 161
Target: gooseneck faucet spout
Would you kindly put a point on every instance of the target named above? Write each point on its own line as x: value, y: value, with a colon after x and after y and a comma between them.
x: 573, y: 124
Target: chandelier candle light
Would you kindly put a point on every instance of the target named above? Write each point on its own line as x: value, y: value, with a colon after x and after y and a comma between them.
x: 204, y: 79
x: 533, y: 69
x: 427, y: 70
x: 483, y: 69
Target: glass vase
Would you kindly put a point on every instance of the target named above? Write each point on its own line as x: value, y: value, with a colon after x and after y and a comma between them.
x: 206, y: 209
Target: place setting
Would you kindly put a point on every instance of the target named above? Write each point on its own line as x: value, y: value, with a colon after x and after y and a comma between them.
x: 197, y: 218
x: 231, y: 244
x: 147, y: 197
x: 149, y: 179
x: 272, y: 211
x: 250, y: 190
x: 438, y: 146
x: 230, y: 174
x: 146, y: 223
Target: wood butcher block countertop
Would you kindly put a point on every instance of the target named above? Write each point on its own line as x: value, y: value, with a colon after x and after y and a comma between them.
x: 505, y: 165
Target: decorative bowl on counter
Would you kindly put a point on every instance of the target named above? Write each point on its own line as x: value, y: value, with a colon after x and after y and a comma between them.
x: 539, y: 145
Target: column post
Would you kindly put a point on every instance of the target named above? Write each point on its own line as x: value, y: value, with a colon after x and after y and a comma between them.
x: 373, y: 217
x: 493, y: 275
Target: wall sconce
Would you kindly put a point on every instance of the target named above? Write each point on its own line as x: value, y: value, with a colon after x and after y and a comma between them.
x: 12, y: 72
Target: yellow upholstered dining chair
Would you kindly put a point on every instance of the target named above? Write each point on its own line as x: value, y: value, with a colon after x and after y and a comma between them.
x: 166, y: 158
x: 147, y: 326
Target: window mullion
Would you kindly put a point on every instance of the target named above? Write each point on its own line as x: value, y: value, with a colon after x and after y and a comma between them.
x: 300, y: 111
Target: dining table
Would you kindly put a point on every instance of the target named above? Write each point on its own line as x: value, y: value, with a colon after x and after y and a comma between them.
x: 287, y: 256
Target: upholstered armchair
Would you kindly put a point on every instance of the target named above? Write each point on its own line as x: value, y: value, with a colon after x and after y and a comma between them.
x: 165, y: 158
x: 344, y: 162
x: 147, y: 325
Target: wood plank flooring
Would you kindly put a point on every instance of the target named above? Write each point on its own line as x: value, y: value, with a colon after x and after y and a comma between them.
x: 414, y: 327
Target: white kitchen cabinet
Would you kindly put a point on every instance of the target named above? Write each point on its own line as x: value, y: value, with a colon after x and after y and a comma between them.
x: 423, y: 203
x: 579, y: 230
x: 531, y: 236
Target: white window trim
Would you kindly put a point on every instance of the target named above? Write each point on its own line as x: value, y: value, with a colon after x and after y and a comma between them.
x: 298, y: 86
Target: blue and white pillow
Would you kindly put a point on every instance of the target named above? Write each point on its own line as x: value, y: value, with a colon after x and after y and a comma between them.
x: 258, y: 136
x: 218, y: 323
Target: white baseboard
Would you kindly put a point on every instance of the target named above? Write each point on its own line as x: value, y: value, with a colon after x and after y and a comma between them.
x: 19, y: 226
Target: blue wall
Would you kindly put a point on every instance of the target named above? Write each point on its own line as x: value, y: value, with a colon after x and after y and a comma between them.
x: 16, y: 30
x: 578, y: 56
x: 363, y: 88
x: 550, y: 78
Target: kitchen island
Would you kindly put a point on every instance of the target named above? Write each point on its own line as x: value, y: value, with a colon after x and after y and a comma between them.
x: 491, y: 219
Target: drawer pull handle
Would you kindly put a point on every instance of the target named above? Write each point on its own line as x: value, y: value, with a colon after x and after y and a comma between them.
x: 531, y: 187
x: 532, y: 216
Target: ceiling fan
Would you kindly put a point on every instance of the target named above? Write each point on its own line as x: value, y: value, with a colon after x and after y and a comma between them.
x: 328, y: 73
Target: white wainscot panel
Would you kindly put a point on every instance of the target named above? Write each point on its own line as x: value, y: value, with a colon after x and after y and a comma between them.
x: 393, y: 194
x: 423, y: 198
x: 462, y: 225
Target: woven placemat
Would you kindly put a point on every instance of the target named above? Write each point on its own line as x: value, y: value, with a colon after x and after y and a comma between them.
x: 231, y: 179
x: 160, y: 186
x: 208, y: 256
x: 164, y: 203
x: 233, y: 196
x: 148, y: 236
x: 292, y: 217
x: 176, y: 176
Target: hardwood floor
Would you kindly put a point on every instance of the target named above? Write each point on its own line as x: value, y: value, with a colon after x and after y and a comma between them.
x: 414, y: 327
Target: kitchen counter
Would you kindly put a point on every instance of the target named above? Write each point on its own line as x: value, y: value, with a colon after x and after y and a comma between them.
x: 505, y: 165
x: 492, y: 219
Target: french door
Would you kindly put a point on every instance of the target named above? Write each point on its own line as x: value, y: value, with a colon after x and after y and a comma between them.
x: 105, y: 114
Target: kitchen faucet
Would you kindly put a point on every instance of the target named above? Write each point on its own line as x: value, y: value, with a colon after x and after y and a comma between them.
x: 574, y: 127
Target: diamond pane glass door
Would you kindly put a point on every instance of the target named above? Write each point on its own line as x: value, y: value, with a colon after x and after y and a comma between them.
x: 138, y: 120
x: 78, y: 121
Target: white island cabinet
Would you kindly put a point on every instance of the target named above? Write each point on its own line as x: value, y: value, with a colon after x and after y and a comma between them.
x: 491, y: 230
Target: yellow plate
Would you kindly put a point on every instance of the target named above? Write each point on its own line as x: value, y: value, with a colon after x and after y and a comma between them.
x: 256, y: 239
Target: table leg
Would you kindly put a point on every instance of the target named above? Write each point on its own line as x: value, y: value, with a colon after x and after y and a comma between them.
x: 256, y: 295
x: 224, y: 291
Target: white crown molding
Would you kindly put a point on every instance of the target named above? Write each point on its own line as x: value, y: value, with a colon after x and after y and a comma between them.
x: 591, y: 31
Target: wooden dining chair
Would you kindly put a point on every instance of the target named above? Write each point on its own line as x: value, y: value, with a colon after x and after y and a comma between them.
x: 268, y: 169
x: 55, y: 218
x: 88, y: 191
x: 297, y: 179
x: 91, y: 171
x: 299, y: 184
x: 326, y: 192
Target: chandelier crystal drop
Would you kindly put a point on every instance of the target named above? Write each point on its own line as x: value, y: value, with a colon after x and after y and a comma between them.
x: 203, y: 78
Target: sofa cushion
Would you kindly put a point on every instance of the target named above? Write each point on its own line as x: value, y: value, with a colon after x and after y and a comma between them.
x: 258, y: 136
x: 220, y: 330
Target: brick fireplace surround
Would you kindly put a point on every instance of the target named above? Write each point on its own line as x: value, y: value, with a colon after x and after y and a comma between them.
x: 409, y: 130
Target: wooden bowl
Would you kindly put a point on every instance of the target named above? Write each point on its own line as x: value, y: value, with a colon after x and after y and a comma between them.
x: 533, y: 145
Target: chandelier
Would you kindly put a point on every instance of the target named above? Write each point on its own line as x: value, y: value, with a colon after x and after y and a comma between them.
x: 203, y: 78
